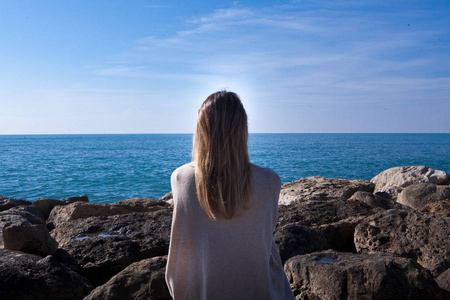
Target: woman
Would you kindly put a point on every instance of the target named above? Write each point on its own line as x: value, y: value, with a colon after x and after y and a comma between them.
x: 225, y: 213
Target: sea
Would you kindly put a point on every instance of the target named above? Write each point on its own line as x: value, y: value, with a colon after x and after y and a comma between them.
x: 114, y: 167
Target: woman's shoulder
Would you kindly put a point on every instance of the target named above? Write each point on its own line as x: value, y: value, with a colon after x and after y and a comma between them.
x: 184, y: 171
x: 266, y: 174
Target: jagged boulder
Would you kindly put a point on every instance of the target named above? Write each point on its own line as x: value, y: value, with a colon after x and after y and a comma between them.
x: 80, y: 210
x: 294, y: 239
x: 420, y: 194
x: 335, y: 275
x: 393, y: 180
x: 375, y: 200
x: 406, y: 233
x: 316, y: 213
x: 321, y: 188
x: 141, y: 280
x: 100, y: 247
x: 440, y: 208
x: 7, y: 203
x: 443, y: 280
x: 28, y: 276
x: 23, y: 231
x: 45, y: 206
x: 318, y: 225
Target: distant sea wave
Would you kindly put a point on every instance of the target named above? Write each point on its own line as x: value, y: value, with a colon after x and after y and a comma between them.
x: 110, y: 168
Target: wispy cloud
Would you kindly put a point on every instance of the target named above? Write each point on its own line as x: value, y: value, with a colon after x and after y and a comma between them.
x: 295, y: 49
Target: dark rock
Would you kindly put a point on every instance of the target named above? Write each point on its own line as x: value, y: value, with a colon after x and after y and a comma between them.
x: 443, y: 281
x: 29, y: 238
x: 83, y: 198
x: 100, y: 247
x: 406, y: 233
x: 21, y: 214
x: 27, y: 276
x: 334, y: 275
x: 45, y: 206
x: 167, y: 197
x: 80, y: 210
x: 321, y: 188
x: 318, y: 225
x: 421, y: 194
x: 393, y: 180
x: 441, y: 208
x: 375, y: 200
x: 316, y: 213
x: 294, y: 239
x: 7, y: 203
x: 140, y: 280
x: 23, y: 231
x: 340, y: 235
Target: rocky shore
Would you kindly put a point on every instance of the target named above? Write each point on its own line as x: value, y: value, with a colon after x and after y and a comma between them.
x: 388, y: 238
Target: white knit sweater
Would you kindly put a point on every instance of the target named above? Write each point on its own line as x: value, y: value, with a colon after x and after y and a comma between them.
x: 225, y: 259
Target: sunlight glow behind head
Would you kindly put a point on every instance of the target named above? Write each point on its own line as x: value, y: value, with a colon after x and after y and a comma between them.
x: 298, y: 66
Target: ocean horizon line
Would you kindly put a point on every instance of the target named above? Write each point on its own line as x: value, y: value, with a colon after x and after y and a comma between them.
x: 190, y: 133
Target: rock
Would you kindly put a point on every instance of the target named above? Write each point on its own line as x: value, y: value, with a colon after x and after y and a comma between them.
x: 140, y: 205
x: 441, y: 208
x: 168, y: 198
x: 393, y: 180
x: 29, y: 238
x: 80, y: 210
x: 420, y: 194
x: 406, y: 233
x: 294, y: 239
x: 27, y: 276
x: 375, y: 200
x: 443, y: 280
x: 321, y: 188
x: 140, y: 280
x: 100, y: 247
x: 23, y: 231
x: 334, y: 275
x: 316, y: 213
x: 21, y: 214
x: 7, y: 203
x: 311, y: 226
x: 83, y: 198
x: 45, y: 206
x: 339, y: 236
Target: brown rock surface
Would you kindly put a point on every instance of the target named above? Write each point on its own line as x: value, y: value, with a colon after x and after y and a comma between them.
x: 335, y: 275
x: 27, y: 276
x: 420, y: 194
x: 7, y: 203
x: 100, y: 247
x: 406, y: 233
x: 79, y: 210
x: 318, y: 225
x: 29, y: 238
x: 140, y: 280
x: 23, y: 231
x: 393, y: 180
x: 443, y: 280
x: 316, y: 213
x: 441, y: 208
x: 321, y: 188
x: 294, y: 239
x: 374, y: 200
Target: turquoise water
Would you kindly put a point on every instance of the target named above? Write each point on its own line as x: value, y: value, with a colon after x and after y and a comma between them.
x: 111, y: 168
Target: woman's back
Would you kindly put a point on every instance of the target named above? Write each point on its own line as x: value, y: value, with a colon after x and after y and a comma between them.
x: 225, y: 258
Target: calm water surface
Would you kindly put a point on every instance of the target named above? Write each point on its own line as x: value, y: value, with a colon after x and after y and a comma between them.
x: 111, y: 168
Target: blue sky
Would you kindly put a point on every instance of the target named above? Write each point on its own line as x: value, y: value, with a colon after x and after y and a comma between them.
x: 299, y: 66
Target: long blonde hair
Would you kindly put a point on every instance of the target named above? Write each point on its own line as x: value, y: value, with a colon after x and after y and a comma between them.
x: 220, y: 155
